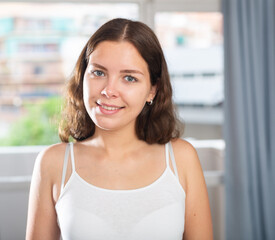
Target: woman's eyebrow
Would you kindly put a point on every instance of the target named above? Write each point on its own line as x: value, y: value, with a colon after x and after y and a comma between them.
x: 99, y: 66
x: 122, y: 71
x: 131, y: 71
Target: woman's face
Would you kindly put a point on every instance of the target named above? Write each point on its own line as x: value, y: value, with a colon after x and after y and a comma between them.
x: 116, y: 85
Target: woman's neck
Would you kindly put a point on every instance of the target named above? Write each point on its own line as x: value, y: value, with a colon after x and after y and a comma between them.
x: 114, y: 142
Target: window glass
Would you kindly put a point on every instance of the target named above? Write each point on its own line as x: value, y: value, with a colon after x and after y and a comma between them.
x: 193, y: 45
x: 39, y: 45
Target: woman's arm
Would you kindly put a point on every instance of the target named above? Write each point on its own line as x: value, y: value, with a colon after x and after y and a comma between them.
x: 42, y: 219
x: 198, y: 222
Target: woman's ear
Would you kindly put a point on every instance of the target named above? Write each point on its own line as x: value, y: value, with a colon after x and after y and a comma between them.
x: 152, y: 93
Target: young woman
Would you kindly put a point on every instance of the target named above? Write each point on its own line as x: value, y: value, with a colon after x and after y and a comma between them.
x: 127, y: 175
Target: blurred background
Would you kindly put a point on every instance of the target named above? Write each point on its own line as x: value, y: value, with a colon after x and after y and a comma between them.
x: 39, y: 44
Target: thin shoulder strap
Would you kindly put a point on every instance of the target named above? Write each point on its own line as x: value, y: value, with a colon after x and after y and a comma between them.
x: 65, y: 164
x: 167, y: 155
x: 173, y: 159
x: 72, y: 156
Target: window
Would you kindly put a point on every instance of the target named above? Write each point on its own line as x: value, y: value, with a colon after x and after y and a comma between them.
x: 193, y: 46
x: 39, y: 47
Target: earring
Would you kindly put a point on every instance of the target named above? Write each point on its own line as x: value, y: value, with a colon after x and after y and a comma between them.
x: 151, y: 102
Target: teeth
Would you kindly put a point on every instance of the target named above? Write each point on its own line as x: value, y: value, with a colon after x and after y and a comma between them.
x: 110, y: 108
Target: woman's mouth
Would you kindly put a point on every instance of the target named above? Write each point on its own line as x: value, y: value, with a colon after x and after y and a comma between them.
x: 108, y: 109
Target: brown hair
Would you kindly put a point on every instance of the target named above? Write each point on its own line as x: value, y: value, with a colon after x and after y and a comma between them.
x: 157, y: 123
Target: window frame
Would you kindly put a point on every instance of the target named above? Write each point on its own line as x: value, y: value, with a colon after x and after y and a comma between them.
x: 148, y: 8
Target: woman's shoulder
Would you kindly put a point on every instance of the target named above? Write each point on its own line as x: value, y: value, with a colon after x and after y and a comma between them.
x: 184, y: 148
x: 52, y: 153
x: 50, y: 160
x: 187, y: 160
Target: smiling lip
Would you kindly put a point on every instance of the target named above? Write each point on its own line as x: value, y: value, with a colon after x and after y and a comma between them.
x: 108, y: 109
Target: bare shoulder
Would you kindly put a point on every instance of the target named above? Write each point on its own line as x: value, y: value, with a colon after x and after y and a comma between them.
x: 41, y: 213
x: 50, y: 160
x: 198, y: 223
x: 185, y: 153
x: 53, y: 151
x: 184, y: 147
x: 188, y: 163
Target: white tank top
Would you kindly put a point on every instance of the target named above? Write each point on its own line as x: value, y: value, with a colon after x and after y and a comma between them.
x: 153, y: 212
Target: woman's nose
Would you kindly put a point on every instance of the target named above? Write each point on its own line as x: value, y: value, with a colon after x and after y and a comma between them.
x: 110, y: 90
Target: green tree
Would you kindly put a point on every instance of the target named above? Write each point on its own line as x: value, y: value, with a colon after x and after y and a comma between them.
x: 38, y: 127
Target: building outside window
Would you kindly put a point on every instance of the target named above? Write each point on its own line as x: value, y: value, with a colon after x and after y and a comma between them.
x: 39, y: 47
x: 193, y: 45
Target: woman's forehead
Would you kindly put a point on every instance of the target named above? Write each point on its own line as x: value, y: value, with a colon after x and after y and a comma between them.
x: 122, y: 53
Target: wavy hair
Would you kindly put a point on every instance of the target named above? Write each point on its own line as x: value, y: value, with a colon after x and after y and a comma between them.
x: 156, y: 123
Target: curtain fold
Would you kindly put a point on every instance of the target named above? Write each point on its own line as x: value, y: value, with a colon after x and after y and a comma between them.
x: 249, y: 51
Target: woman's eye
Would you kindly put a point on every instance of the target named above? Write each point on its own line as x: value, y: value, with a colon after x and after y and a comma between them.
x: 130, y: 79
x: 98, y: 73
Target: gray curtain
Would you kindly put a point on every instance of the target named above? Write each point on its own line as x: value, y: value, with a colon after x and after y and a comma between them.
x: 249, y: 49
